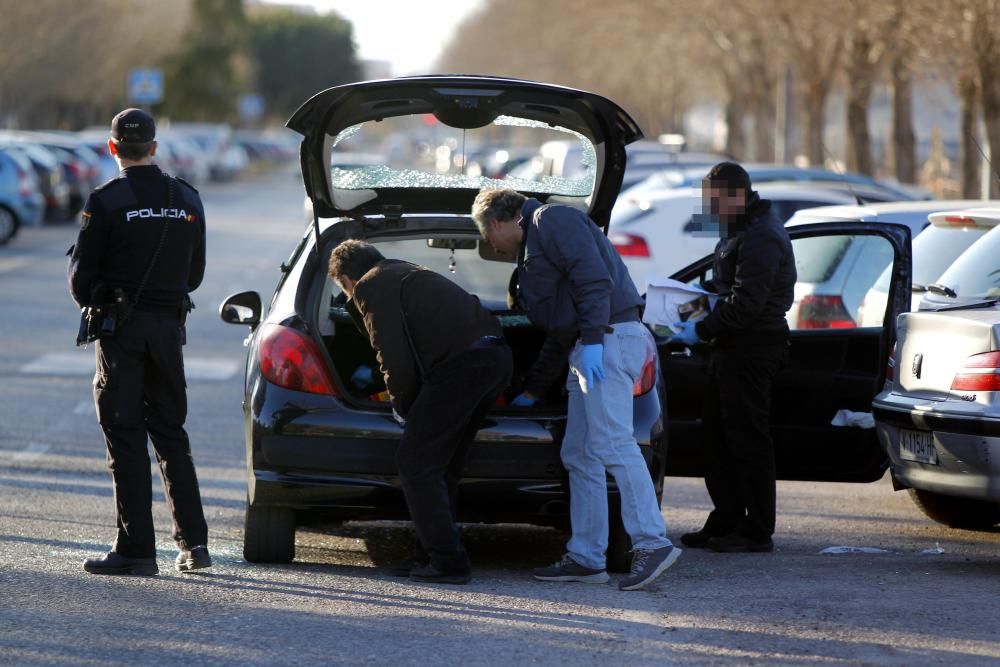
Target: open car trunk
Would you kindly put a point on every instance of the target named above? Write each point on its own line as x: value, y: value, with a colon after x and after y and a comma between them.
x: 358, y: 370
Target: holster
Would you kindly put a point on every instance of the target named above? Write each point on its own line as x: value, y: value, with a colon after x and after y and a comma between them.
x: 103, y: 320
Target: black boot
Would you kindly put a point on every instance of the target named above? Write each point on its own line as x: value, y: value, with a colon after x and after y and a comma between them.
x: 115, y: 563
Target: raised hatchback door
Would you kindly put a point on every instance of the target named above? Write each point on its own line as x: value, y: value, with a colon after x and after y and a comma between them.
x: 834, y: 364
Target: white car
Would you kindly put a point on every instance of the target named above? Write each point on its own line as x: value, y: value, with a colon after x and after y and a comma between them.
x: 949, y: 234
x: 938, y: 417
x: 665, y: 228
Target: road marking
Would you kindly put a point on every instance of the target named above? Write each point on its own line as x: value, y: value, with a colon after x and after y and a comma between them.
x: 31, y: 452
x: 82, y: 363
x: 12, y: 263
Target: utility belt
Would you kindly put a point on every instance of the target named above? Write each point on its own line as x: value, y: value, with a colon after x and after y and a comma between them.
x: 104, y: 320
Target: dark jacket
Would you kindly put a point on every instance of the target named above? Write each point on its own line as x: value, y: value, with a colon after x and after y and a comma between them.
x: 754, y: 275
x: 120, y: 228
x: 572, y: 283
x: 442, y: 318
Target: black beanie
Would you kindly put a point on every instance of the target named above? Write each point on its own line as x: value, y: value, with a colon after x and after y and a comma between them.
x: 730, y: 173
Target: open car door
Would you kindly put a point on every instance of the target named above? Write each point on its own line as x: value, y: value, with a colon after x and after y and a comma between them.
x: 833, y: 363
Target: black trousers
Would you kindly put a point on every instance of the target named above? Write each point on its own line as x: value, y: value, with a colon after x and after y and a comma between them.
x: 140, y: 391
x: 440, y: 426
x: 739, y: 472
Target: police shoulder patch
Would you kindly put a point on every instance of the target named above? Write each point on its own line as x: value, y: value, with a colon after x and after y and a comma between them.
x: 85, y: 220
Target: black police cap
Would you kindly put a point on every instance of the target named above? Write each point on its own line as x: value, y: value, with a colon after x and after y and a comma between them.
x: 133, y: 126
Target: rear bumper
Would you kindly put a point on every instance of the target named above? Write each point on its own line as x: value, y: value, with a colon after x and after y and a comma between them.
x: 967, y: 448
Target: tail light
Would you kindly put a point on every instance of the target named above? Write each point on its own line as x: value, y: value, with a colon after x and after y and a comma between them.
x: 647, y: 378
x: 630, y: 245
x: 981, y: 372
x: 23, y: 183
x: 818, y: 311
x: 292, y: 360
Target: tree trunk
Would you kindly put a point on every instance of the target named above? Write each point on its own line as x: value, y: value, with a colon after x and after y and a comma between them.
x: 990, y: 95
x: 735, y: 136
x: 763, y: 103
x: 859, y: 92
x: 815, y: 110
x: 968, y: 92
x: 903, y: 137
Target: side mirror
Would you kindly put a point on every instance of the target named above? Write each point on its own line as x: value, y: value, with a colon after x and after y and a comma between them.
x: 242, y: 308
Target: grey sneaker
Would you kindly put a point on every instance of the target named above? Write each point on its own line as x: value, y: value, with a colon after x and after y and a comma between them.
x: 647, y: 565
x: 568, y: 569
x: 195, y: 558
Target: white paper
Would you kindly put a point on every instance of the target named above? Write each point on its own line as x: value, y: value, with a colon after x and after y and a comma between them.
x: 669, y: 302
x: 864, y: 420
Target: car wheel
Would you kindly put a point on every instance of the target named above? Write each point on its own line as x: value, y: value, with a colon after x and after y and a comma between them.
x: 957, y: 512
x: 269, y: 535
x: 619, y: 555
x: 8, y: 225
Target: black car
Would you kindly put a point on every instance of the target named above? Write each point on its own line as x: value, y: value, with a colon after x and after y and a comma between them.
x: 320, y: 435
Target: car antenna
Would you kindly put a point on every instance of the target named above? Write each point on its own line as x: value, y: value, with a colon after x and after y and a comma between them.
x: 837, y: 170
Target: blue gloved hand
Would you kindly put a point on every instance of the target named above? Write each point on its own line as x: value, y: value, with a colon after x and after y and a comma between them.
x: 362, y: 377
x: 592, y: 363
x: 523, y: 401
x: 399, y: 419
x: 685, y: 334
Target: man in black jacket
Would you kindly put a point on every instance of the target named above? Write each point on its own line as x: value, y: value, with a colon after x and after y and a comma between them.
x: 754, y: 275
x: 445, y: 363
x: 140, y: 251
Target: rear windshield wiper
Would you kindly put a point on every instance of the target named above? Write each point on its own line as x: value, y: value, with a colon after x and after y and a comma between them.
x: 979, y: 304
x: 943, y: 290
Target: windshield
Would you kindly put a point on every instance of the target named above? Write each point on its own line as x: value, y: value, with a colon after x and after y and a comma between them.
x: 934, y: 250
x: 421, y: 152
x: 976, y: 273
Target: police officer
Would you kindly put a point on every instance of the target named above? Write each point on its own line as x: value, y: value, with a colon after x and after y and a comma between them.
x: 754, y: 275
x: 140, y: 251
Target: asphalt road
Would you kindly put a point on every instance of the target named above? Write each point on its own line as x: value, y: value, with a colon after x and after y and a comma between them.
x: 931, y: 596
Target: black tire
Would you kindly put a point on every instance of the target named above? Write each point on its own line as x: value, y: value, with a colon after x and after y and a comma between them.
x: 8, y: 225
x: 619, y: 555
x: 957, y: 512
x: 269, y: 535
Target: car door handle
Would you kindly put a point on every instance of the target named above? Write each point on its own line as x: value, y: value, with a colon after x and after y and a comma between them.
x: 686, y: 352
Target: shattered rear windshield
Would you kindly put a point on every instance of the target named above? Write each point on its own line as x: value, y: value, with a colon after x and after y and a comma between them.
x: 421, y: 152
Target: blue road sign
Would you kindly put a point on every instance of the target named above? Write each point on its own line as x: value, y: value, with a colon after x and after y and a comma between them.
x: 145, y: 86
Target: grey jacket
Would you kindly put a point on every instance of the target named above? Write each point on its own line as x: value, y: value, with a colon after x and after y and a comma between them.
x: 572, y: 283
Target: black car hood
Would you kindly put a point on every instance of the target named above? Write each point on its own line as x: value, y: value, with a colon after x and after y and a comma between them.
x: 459, y: 102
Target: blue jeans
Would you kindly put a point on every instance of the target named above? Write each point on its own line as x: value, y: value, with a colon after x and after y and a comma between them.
x: 599, y: 439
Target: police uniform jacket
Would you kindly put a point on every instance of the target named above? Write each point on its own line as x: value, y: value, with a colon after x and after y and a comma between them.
x: 120, y: 228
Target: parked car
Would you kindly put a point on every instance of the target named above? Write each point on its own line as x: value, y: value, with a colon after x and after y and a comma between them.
x: 947, y: 236
x: 21, y: 199
x: 938, y: 417
x: 321, y: 445
x: 51, y: 178
x: 666, y: 229
x: 859, y: 186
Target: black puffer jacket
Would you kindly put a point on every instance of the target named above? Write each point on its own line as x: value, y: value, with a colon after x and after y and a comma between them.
x: 755, y: 279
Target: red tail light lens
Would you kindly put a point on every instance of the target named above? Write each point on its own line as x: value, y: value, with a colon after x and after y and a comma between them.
x: 292, y: 360
x: 647, y: 379
x: 981, y: 372
x: 824, y: 312
x: 630, y: 245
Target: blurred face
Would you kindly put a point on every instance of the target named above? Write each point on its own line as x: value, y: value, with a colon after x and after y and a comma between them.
x: 723, y: 201
x: 505, y: 237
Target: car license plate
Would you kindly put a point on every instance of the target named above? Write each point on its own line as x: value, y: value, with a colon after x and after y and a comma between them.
x: 917, y: 446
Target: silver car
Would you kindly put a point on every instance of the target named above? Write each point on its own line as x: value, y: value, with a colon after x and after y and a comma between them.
x: 938, y: 417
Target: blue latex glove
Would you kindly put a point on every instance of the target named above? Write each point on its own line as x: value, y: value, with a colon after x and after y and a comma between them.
x: 592, y: 363
x: 686, y: 334
x: 522, y: 401
x: 362, y: 377
x: 398, y: 418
